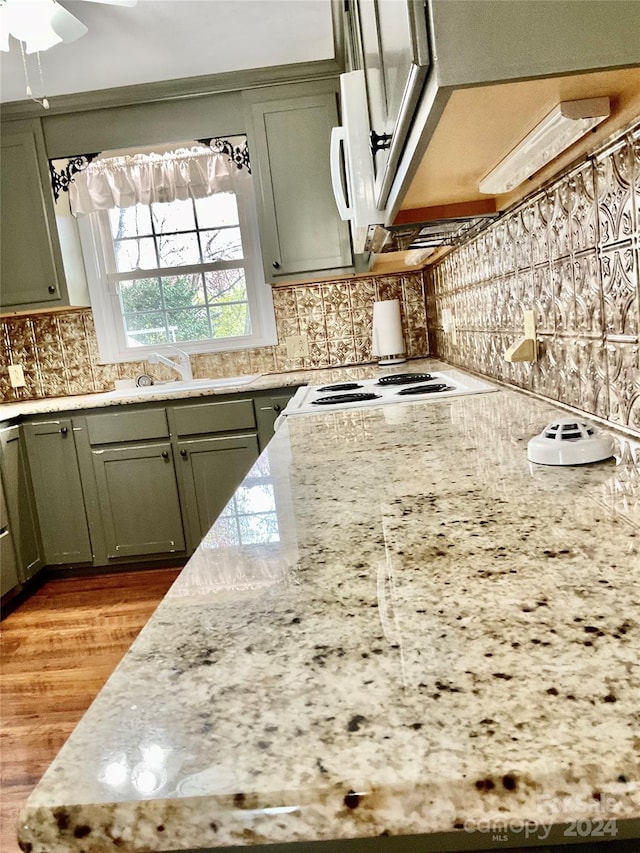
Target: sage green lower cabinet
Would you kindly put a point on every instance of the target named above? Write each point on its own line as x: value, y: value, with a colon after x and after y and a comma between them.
x: 8, y: 566
x: 268, y: 408
x: 132, y: 482
x: 216, y: 444
x: 20, y: 503
x: 59, y: 497
x: 130, y: 486
x: 209, y: 471
x: 138, y: 500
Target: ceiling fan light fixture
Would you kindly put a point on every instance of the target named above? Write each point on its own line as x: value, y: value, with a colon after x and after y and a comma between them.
x: 29, y: 21
x: 38, y: 24
x: 565, y: 124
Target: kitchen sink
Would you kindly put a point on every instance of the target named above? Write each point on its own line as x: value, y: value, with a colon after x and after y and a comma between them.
x: 189, y: 385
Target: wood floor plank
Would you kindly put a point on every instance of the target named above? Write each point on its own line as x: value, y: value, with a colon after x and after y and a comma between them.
x: 58, y: 648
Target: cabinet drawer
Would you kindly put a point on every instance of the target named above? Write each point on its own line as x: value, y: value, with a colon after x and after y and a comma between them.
x: 127, y: 426
x: 214, y: 417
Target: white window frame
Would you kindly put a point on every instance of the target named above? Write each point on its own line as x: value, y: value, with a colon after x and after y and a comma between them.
x: 97, y: 249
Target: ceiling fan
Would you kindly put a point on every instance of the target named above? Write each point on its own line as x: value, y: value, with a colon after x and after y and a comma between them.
x: 41, y: 24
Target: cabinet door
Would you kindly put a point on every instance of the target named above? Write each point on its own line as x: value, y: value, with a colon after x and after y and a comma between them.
x: 8, y: 573
x: 20, y: 504
x: 301, y: 231
x: 31, y: 265
x: 53, y: 463
x: 138, y: 500
x: 267, y: 410
x: 210, y: 470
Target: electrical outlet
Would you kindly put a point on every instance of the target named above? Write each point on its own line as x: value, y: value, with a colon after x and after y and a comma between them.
x: 449, y: 324
x: 297, y: 346
x: 530, y: 324
x: 16, y: 376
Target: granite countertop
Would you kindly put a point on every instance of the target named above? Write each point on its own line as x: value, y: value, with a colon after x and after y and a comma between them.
x: 397, y: 627
x: 164, y: 391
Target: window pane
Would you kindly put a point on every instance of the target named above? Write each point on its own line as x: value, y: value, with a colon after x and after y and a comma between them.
x: 224, y: 244
x: 258, y: 528
x: 226, y: 285
x: 130, y: 221
x: 183, y: 291
x: 140, y: 295
x: 256, y: 499
x: 178, y: 249
x: 190, y: 324
x: 135, y: 254
x: 216, y: 210
x: 173, y: 216
x: 229, y: 321
x: 145, y: 329
x: 226, y: 532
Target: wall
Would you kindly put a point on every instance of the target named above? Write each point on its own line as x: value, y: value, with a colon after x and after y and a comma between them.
x: 59, y: 352
x: 571, y: 253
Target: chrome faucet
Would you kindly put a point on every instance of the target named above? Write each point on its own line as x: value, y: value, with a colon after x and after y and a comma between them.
x: 181, y: 366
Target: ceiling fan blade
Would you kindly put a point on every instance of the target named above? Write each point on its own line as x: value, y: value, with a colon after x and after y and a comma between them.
x: 66, y: 25
x: 4, y: 30
x: 115, y: 2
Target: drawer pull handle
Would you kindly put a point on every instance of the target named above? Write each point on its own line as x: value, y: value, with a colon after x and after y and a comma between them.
x: 165, y: 454
x: 183, y: 453
x: 275, y: 265
x: 277, y: 408
x: 64, y: 430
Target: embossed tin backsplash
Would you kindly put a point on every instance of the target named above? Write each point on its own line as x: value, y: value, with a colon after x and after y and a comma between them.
x: 59, y: 353
x: 570, y: 252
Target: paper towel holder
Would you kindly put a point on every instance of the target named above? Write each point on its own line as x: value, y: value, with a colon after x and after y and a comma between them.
x: 387, y: 339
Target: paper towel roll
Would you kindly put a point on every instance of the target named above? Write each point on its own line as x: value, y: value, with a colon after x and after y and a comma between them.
x: 387, y: 332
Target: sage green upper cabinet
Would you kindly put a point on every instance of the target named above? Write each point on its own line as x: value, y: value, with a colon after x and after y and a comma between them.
x: 31, y: 268
x: 53, y: 463
x: 130, y: 485
x: 20, y: 503
x: 289, y: 130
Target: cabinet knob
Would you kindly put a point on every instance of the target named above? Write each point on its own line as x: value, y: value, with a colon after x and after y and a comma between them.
x: 276, y: 265
x: 64, y: 430
x: 165, y: 454
x: 183, y: 453
x: 277, y: 408
x: 51, y: 288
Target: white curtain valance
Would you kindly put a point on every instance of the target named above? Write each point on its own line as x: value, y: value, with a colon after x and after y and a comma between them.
x: 146, y: 178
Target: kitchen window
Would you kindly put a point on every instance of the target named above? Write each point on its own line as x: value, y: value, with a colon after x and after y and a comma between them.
x: 180, y: 266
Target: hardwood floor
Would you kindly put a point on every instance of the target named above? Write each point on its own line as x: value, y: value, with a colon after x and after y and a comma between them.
x: 58, y: 649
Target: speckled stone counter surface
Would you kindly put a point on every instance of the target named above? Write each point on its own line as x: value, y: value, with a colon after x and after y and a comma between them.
x: 397, y: 627
x: 159, y: 392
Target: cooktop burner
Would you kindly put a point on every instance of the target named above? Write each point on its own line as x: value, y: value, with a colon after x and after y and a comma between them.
x: 403, y: 378
x: 383, y: 389
x: 427, y: 389
x: 336, y: 399
x: 341, y: 386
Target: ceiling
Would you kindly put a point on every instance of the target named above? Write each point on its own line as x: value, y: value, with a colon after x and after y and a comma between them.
x: 171, y: 39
